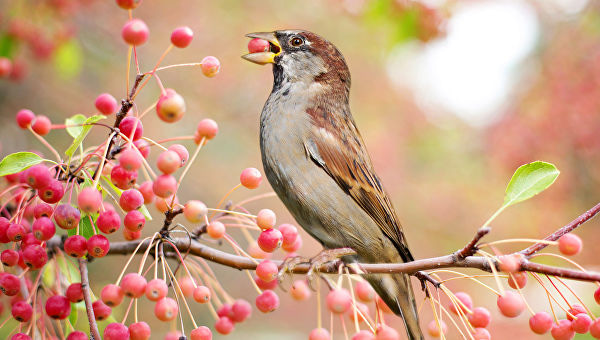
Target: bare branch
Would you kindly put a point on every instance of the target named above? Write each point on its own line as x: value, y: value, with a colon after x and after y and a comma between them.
x: 85, y: 287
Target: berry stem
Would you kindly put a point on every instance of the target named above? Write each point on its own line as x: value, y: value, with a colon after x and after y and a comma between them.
x: 43, y: 141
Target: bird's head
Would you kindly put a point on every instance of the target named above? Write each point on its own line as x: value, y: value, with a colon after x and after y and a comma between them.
x: 302, y: 56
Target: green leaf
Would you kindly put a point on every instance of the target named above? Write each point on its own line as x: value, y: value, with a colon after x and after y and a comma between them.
x: 48, y: 274
x: 86, y: 229
x: 529, y: 180
x: 68, y: 59
x: 74, y: 314
x: 83, y: 133
x: 17, y: 162
x: 77, y: 120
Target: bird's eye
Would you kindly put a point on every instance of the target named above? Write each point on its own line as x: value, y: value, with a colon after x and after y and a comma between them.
x: 295, y: 41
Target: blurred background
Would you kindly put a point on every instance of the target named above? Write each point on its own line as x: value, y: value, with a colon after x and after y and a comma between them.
x: 450, y: 97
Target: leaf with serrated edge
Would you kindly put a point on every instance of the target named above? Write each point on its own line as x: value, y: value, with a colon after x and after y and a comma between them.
x: 17, y: 162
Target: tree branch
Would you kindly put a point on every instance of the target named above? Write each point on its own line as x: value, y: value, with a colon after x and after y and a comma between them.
x: 85, y: 287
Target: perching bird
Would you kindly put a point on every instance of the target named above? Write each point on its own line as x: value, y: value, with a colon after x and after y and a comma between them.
x: 317, y: 163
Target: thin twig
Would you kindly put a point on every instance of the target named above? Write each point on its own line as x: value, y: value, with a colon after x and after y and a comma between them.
x: 85, y: 287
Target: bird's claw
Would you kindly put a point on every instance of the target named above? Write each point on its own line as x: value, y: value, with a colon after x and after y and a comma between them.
x: 324, y: 257
x: 288, y: 266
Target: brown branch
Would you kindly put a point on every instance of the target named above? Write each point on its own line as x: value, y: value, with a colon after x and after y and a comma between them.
x: 85, y: 287
x: 471, y: 247
x: 586, y: 216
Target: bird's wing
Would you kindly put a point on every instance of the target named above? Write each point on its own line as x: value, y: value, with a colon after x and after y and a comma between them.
x: 340, y: 152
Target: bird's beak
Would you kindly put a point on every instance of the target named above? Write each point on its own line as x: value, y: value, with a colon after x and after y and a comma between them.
x: 268, y: 57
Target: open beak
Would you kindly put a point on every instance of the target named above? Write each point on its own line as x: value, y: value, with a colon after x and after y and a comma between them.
x: 268, y: 57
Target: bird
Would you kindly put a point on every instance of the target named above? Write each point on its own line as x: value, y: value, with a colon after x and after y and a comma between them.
x: 316, y: 161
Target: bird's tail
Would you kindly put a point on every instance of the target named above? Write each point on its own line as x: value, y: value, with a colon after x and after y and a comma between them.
x: 396, y: 291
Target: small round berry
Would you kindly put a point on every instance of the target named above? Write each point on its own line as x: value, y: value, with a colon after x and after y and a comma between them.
x: 517, y: 280
x: 319, y: 334
x: 134, y: 221
x: 173, y: 335
x: 22, y: 311
x: 207, y: 129
x: 183, y: 153
x: 164, y: 186
x: 166, y: 309
x: 360, y: 317
x: 481, y: 334
x: 89, y: 200
x: 67, y: 216
x: 43, y: 228
x: 339, y: 301
x: 574, y: 310
x: 98, y: 246
x: 267, y: 302
x: 38, y: 176
x: 187, y: 285
x: 168, y: 162
x: 182, y: 36
x: 143, y: 147
x: 267, y: 270
x: 265, y: 285
x: 434, y: 329
x: 250, y: 178
x: 16, y: 232
x: 480, y: 317
x: 146, y: 190
x: 269, y: 240
x: 224, y: 325
x: 6, y: 67
x: 541, y: 323
x: 41, y: 125
x: 134, y: 285
x: 257, y: 45
x: 563, y: 330
x: 58, y: 307
x: 77, y: 335
x: 582, y: 324
x: 24, y: 118
x: 122, y: 178
x: 170, y: 107
x: 52, y: 193
x: 164, y: 204
x: 570, y: 244
x: 131, y: 235
x: 43, y: 210
x: 195, y: 211
x: 224, y: 310
x: 101, y: 310
x: 289, y: 233
x: 131, y: 199
x: 34, y: 256
x: 116, y: 331
x: 139, y: 331
x: 20, y: 336
x: 300, y: 290
x: 201, y: 294
x: 265, y: 219
x: 9, y: 257
x: 293, y: 247
x: 510, y: 304
x: 386, y: 333
x: 130, y: 159
x: 74, y: 292
x: 108, y: 221
x: 112, y: 295
x: 595, y: 329
x: 364, y: 291
x: 10, y: 284
x: 128, y: 4
x: 215, y: 229
x: 201, y: 333
x: 363, y: 335
x: 127, y: 126
x: 156, y: 289
x: 510, y: 263
x: 240, y: 310
x: 76, y: 246
x: 135, y: 32
x: 210, y: 66
x: 106, y: 104
x: 465, y: 299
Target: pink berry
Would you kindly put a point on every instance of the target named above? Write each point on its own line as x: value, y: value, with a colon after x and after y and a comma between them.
x: 112, y: 295
x: 101, y: 311
x: 240, y: 310
x: 224, y: 325
x: 201, y: 333
x: 187, y: 285
x: 127, y: 126
x: 89, y: 200
x: 339, y: 301
x: 29, y: 240
x: 163, y: 204
x: 541, y: 323
x: 595, y: 329
x: 570, y: 244
x: 224, y: 310
x: 195, y: 211
x: 465, y: 299
x: 10, y: 284
x: 363, y: 335
x: 98, y: 246
x: 267, y: 270
x: 76, y: 246
x: 210, y: 66
x: 116, y: 331
x: 267, y: 302
x: 52, y: 193
x: 265, y: 219
x: 182, y: 36
x: 139, y: 331
x: 510, y: 263
x: 131, y: 199
x: 215, y: 229
x: 319, y: 334
x: 201, y: 294
x: 58, y: 307
x: 134, y: 285
x: 35, y: 256
x: 269, y: 240
x: 250, y: 178
x: 24, y: 118
x: 156, y: 289
x: 168, y: 162
x: 41, y: 125
x: 74, y: 292
x: 518, y: 279
x: 289, y: 233
x: 166, y: 309
x: 9, y: 257
x: 122, y: 178
x: 360, y: 317
x: 510, y: 304
x: 143, y: 147
x: 43, y: 210
x: 108, y: 221
x: 146, y: 190
x: 386, y: 333
x: 134, y: 221
x: 480, y: 317
x: 67, y: 216
x: 20, y: 336
x: 299, y: 290
x: 164, y: 186
x: 183, y: 153
x: 106, y: 104
x: 135, y: 32
x: 582, y: 324
x: 131, y: 235
x: 173, y: 335
x: 77, y: 335
x: 257, y: 45
x: 16, y: 232
x: 43, y: 228
x: 207, y: 129
x: 170, y: 107
x: 434, y: 329
x: 481, y: 334
x: 6, y: 67
x: 128, y: 4
x: 22, y: 311
x: 574, y: 310
x: 364, y: 291
x: 563, y: 330
x: 265, y: 285
x: 293, y: 247
x: 38, y: 176
x: 130, y: 159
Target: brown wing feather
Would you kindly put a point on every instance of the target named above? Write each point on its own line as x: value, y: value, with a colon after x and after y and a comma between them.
x: 350, y: 166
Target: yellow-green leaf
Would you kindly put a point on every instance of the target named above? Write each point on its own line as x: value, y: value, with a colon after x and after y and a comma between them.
x: 529, y: 180
x: 87, y: 125
x: 17, y: 162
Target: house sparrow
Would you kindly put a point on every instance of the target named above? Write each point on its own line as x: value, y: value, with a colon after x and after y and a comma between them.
x: 317, y: 163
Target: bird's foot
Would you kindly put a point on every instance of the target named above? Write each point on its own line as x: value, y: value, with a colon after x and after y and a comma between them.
x: 324, y: 257
x: 288, y: 266
x: 424, y: 278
